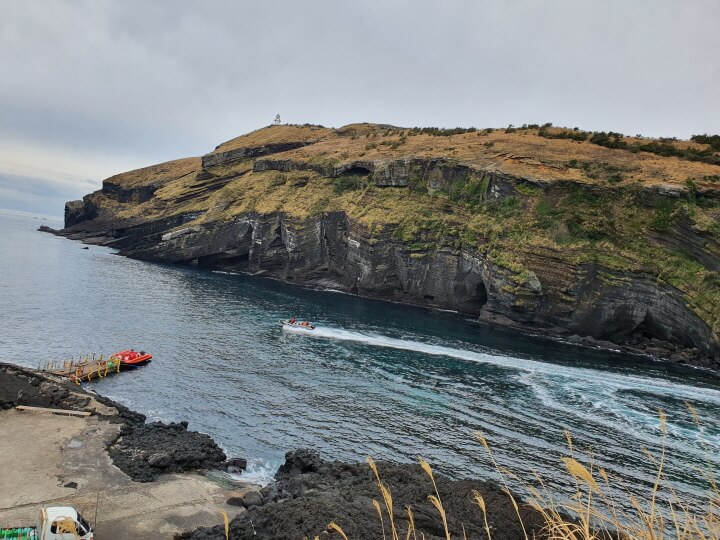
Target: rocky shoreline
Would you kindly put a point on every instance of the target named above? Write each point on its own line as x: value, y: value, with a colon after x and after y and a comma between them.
x: 141, y: 450
x: 651, y: 349
x: 308, y: 492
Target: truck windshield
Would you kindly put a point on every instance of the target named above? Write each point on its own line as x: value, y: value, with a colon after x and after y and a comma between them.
x: 84, y: 526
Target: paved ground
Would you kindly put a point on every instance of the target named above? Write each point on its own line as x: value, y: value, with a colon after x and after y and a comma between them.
x: 42, y: 455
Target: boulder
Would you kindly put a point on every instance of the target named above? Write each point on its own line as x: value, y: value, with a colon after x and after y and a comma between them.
x: 252, y: 498
x: 299, y: 462
x: 160, y: 460
x: 236, y: 464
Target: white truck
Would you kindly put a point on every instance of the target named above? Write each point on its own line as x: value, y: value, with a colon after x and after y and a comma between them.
x: 56, y: 523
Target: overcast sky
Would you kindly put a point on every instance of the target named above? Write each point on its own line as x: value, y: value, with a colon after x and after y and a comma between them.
x: 91, y: 88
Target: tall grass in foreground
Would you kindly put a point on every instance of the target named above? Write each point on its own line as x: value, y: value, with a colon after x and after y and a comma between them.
x: 226, y: 523
x: 588, y: 514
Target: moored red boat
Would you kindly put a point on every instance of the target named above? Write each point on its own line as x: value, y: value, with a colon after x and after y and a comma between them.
x: 131, y: 359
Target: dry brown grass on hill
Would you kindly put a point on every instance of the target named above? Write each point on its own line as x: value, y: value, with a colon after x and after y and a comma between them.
x: 521, y: 153
x: 157, y: 174
x: 276, y: 134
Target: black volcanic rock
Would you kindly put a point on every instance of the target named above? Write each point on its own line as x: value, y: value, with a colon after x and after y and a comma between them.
x: 299, y: 462
x: 302, y: 504
x: 142, y: 451
x: 20, y: 386
x: 145, y: 450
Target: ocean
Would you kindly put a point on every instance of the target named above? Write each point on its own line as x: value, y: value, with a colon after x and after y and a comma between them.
x: 375, y: 379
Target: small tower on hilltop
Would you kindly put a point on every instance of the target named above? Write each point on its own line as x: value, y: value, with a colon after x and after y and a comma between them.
x: 277, y: 120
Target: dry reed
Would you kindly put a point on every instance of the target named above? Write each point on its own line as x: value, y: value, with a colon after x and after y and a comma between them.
x: 591, y: 512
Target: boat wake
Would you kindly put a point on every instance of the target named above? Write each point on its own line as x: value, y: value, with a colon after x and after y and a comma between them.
x: 403, y: 344
x: 553, y: 383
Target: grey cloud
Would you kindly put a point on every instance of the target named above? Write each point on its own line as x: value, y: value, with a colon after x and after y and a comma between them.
x: 38, y: 195
x: 164, y: 79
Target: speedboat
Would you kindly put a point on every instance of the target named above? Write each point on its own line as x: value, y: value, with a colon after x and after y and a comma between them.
x: 131, y: 359
x: 300, y: 325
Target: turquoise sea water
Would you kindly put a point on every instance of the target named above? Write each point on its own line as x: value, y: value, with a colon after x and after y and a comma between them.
x: 376, y: 379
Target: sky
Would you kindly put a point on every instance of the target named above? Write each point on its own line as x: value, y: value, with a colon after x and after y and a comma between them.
x: 91, y: 88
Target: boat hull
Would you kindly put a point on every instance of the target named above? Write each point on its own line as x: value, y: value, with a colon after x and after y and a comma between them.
x: 294, y: 326
x: 132, y: 359
x: 127, y: 366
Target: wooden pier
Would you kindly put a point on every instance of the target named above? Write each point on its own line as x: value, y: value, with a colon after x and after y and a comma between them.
x: 83, y: 369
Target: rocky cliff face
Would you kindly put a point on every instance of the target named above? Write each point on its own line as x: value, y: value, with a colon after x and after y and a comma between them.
x: 518, y: 241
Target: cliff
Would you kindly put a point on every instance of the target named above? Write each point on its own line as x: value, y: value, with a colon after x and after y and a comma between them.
x: 559, y: 232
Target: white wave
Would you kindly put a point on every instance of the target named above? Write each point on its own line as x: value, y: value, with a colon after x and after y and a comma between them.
x: 540, y: 376
x: 258, y: 472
